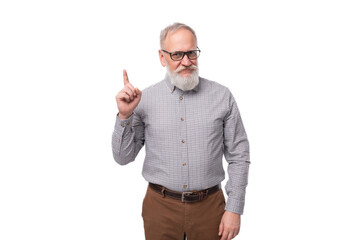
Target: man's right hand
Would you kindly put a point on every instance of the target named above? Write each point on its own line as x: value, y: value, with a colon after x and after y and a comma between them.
x: 128, y: 98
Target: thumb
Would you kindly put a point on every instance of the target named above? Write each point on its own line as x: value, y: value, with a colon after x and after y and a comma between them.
x: 221, y: 228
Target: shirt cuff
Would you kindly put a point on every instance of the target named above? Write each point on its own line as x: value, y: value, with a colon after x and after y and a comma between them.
x: 122, y: 124
x: 123, y: 127
x: 235, y: 206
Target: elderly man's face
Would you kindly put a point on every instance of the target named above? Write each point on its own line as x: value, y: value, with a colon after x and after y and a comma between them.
x: 181, y: 40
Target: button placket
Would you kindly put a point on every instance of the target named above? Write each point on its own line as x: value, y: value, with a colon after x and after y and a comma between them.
x: 183, y: 144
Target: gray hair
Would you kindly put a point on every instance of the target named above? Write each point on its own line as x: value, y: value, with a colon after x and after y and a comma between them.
x: 173, y: 28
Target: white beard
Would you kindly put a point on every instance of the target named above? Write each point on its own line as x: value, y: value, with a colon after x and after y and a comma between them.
x: 184, y: 83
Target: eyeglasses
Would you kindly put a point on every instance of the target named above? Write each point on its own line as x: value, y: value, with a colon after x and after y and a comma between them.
x: 178, y: 55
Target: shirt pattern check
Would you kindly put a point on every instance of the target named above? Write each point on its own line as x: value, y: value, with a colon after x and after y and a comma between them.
x: 186, y: 134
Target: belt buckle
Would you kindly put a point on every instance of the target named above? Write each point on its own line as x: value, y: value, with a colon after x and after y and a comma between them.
x: 183, y: 195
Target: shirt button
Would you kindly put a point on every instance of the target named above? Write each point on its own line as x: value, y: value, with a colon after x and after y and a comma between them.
x: 182, y: 119
x: 181, y: 98
x: 118, y: 140
x: 183, y: 141
x: 185, y: 186
x: 184, y: 164
x: 122, y: 125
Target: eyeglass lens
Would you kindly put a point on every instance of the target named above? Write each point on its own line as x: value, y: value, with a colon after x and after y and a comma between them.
x: 179, y: 55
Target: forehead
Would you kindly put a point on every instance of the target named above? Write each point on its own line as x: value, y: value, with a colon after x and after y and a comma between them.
x: 180, y: 40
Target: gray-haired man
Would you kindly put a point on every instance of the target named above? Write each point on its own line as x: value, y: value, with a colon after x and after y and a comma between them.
x: 187, y: 123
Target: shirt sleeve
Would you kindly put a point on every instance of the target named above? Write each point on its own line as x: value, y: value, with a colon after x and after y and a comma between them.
x: 128, y: 138
x: 236, y: 152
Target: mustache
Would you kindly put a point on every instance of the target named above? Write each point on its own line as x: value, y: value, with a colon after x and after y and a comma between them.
x: 181, y: 68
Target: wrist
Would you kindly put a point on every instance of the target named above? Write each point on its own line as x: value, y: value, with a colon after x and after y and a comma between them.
x: 233, y: 213
x: 124, y: 117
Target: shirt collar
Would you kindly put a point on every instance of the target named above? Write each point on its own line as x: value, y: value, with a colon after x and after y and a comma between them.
x: 172, y: 87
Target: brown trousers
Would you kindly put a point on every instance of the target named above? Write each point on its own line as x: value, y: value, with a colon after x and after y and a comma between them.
x: 166, y: 218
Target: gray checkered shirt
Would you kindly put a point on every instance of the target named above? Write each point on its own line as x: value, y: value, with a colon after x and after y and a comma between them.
x: 186, y: 134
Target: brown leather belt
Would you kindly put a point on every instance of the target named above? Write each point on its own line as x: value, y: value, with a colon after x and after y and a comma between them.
x: 193, y: 196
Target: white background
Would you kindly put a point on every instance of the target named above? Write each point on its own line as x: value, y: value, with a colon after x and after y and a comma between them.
x: 293, y: 67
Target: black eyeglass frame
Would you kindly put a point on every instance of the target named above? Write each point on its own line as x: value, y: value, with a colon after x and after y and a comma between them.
x: 187, y: 54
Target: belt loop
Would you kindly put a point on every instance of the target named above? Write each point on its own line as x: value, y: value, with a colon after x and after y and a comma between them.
x: 200, y: 196
x: 162, y: 191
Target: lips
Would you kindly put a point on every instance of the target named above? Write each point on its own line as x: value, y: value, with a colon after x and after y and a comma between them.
x: 183, y: 69
x: 187, y: 71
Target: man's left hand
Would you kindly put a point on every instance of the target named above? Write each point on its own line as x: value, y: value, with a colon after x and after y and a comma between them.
x: 229, y: 225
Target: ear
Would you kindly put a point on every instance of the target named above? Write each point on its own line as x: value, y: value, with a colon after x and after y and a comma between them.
x: 162, y: 58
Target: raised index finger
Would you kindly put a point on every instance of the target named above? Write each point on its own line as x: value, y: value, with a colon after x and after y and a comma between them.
x: 126, y: 79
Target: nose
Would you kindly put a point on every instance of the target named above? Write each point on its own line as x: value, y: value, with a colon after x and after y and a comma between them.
x: 186, y: 61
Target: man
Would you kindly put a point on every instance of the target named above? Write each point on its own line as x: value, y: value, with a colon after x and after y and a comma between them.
x: 187, y: 123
